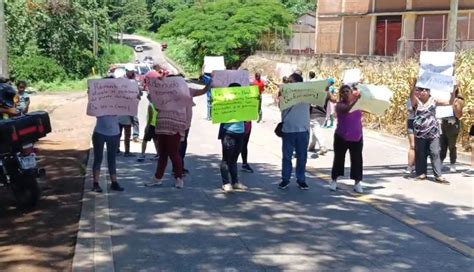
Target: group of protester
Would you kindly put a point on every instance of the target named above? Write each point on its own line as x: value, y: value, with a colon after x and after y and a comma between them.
x: 299, y: 126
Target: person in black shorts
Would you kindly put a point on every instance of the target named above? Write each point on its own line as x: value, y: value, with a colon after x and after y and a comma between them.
x: 150, y: 132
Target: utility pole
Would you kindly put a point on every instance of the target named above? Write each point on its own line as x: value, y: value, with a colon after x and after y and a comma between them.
x: 94, y: 40
x: 3, y: 42
x: 453, y: 26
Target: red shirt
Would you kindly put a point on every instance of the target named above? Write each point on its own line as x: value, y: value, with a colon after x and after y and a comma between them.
x: 261, y: 85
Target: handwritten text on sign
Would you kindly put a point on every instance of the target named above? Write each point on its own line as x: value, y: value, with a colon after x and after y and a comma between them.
x: 235, y: 104
x: 313, y: 92
x: 169, y: 93
x: 222, y: 79
x: 440, y: 82
x: 112, y: 97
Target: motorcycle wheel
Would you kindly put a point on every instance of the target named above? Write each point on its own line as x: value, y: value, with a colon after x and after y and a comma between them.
x: 26, y: 190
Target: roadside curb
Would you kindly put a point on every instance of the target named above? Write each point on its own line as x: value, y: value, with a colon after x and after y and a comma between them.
x: 93, y: 250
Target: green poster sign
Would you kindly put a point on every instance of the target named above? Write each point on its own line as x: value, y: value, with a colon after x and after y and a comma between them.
x: 313, y: 92
x: 235, y: 104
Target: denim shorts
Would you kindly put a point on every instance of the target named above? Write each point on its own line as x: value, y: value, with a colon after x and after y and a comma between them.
x: 410, y: 129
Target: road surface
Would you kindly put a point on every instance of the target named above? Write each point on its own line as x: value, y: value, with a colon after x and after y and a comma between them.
x: 399, y: 224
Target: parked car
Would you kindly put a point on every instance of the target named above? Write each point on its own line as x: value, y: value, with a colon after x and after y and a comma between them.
x: 138, y: 48
x: 118, y: 71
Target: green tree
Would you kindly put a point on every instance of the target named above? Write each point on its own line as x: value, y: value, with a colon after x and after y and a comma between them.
x: 226, y: 27
x: 300, y: 7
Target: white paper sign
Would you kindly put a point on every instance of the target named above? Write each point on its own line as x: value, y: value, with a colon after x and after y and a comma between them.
x: 112, y: 97
x: 374, y: 99
x: 439, y: 82
x: 222, y: 79
x: 444, y: 111
x: 170, y: 93
x: 437, y: 62
x: 213, y: 63
x: 352, y: 76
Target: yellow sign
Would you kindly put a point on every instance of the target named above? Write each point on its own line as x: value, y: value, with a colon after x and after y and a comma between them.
x: 235, y: 104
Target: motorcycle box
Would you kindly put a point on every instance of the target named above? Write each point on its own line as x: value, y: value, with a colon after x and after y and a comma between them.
x: 21, y: 130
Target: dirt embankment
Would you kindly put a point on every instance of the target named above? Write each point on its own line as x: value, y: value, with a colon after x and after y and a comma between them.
x: 44, y: 239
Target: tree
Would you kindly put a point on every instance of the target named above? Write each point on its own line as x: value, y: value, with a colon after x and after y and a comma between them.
x: 300, y: 7
x: 227, y: 27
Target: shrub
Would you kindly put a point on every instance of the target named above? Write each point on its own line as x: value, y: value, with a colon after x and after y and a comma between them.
x: 37, y: 68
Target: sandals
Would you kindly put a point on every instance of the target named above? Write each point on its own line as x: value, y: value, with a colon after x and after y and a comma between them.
x: 442, y: 180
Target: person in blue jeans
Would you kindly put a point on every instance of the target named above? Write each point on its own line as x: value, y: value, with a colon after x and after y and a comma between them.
x: 107, y: 132
x: 296, y: 128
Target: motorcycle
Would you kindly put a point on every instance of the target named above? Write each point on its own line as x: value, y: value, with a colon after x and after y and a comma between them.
x: 19, y: 170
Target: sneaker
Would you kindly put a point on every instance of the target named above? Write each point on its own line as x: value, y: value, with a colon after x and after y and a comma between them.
x: 408, y: 171
x: 179, y: 183
x: 323, y: 150
x: 96, y: 188
x: 333, y: 185
x: 154, y: 182
x: 303, y: 185
x: 155, y: 158
x: 141, y: 158
x: 227, y: 188
x: 247, y: 168
x: 283, y: 184
x: 115, y: 186
x: 421, y: 177
x: 358, y: 188
x: 239, y: 186
x: 129, y: 155
x: 452, y: 168
x: 136, y: 139
x: 442, y: 180
x: 469, y: 173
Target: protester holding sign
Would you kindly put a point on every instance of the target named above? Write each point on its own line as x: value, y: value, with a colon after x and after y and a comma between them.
x: 450, y: 127
x: 427, y: 133
x: 232, y: 138
x: 170, y: 95
x: 295, y: 137
x: 107, y: 132
x: 348, y: 136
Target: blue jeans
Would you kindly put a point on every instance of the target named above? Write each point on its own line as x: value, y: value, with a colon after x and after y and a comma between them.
x: 295, y: 141
x: 112, y: 142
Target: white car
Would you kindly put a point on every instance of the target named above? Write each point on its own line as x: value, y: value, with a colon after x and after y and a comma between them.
x: 138, y: 48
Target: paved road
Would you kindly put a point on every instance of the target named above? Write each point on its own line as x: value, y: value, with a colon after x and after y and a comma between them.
x: 398, y: 225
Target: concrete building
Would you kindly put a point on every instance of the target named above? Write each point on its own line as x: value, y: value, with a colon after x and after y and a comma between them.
x: 389, y: 27
x: 303, y: 34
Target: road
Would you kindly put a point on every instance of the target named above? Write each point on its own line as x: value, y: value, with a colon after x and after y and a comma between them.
x: 399, y: 224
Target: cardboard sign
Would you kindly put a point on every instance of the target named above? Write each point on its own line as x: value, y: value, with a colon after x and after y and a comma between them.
x: 169, y: 93
x: 352, y: 76
x: 313, y: 92
x: 223, y: 78
x: 437, y: 62
x: 112, y: 97
x: 213, y: 63
x: 235, y: 104
x: 374, y: 99
x: 439, y: 82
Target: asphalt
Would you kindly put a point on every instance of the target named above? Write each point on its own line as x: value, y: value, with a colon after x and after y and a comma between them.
x: 399, y: 224
x: 199, y: 228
